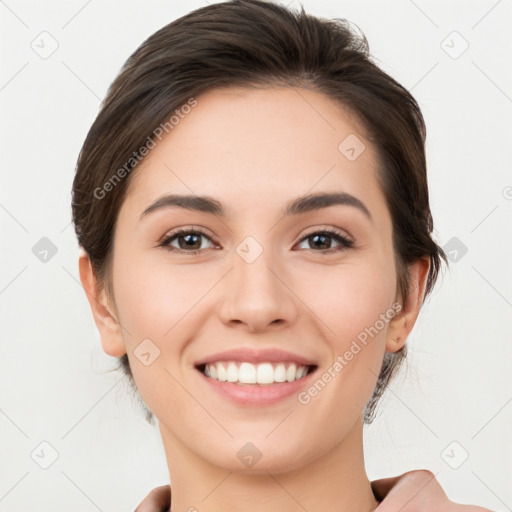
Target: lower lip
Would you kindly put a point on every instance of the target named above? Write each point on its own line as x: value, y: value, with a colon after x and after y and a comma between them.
x: 254, y: 394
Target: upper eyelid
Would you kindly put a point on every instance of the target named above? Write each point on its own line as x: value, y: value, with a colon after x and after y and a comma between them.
x: 187, y: 229
x: 338, y: 231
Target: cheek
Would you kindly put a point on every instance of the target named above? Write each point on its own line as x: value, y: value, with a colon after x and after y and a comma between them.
x: 350, y: 298
x: 164, y: 304
x: 355, y: 313
x: 355, y: 306
x: 155, y: 298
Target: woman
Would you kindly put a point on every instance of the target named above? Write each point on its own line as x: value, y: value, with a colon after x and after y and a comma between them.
x: 253, y: 206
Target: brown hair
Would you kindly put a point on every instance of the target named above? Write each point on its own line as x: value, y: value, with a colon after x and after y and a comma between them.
x: 254, y: 43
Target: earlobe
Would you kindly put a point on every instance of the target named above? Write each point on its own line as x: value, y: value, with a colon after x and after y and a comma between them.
x: 107, y: 324
x: 403, y: 322
x: 395, y: 344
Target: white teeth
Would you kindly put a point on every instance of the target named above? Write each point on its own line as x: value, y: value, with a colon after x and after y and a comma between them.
x: 301, y: 372
x: 265, y: 373
x: 249, y: 373
x: 280, y: 373
x: 291, y: 373
x: 232, y: 373
x: 221, y: 372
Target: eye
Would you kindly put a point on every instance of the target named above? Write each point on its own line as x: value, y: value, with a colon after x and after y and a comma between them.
x: 324, y: 238
x: 188, y: 240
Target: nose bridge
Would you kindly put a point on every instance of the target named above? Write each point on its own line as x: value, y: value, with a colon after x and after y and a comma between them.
x: 252, y: 268
x: 255, y: 294
x: 253, y: 276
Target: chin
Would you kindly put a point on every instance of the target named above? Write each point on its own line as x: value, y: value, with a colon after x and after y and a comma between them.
x: 263, y: 463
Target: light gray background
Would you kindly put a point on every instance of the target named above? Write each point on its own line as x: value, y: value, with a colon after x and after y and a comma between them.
x: 55, y: 383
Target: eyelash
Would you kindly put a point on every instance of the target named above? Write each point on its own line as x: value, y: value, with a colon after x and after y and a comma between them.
x: 345, y: 243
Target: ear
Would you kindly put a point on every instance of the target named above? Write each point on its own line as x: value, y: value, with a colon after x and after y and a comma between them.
x: 107, y: 324
x: 402, y: 323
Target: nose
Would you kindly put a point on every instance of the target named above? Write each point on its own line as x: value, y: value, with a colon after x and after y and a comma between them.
x: 257, y: 296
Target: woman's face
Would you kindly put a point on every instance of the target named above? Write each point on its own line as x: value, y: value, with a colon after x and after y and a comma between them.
x: 256, y: 281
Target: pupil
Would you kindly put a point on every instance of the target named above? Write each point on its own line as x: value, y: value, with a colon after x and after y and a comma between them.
x: 190, y: 241
x: 323, y: 237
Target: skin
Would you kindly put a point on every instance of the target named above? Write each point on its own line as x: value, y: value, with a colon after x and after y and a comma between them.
x: 255, y: 151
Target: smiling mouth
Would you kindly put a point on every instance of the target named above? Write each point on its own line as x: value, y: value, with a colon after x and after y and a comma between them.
x: 261, y: 374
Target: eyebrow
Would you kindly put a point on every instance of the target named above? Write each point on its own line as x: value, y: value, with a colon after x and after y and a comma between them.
x: 303, y: 204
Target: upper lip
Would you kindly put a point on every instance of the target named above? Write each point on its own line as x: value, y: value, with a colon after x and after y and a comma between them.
x: 271, y: 355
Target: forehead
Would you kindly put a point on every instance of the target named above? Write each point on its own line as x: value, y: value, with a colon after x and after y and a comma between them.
x: 250, y: 147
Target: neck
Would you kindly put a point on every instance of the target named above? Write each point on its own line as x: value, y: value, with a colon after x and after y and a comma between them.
x: 335, y: 481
